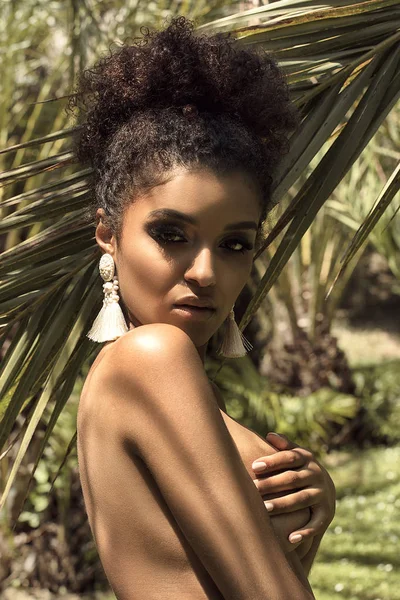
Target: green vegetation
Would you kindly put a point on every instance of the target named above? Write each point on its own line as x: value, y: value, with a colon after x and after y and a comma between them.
x: 359, y: 556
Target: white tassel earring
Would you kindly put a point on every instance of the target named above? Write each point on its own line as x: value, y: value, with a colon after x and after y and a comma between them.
x: 110, y: 322
x: 234, y: 344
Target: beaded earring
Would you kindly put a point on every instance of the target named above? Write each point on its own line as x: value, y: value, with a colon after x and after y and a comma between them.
x: 234, y: 344
x: 110, y: 322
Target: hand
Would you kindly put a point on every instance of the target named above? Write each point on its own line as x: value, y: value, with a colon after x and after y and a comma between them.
x: 302, y: 474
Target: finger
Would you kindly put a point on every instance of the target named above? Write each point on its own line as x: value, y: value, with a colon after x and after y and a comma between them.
x: 280, y: 441
x: 308, y: 497
x: 288, y: 480
x: 316, y: 525
x: 286, y: 459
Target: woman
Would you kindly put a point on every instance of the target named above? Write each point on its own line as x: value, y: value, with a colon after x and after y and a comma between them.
x: 183, y: 133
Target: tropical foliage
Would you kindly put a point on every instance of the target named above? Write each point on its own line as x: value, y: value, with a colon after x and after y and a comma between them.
x: 311, y: 420
x: 358, y: 557
x: 298, y: 313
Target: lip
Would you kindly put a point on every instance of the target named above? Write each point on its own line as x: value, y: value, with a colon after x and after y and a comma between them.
x: 196, y: 302
x: 193, y: 312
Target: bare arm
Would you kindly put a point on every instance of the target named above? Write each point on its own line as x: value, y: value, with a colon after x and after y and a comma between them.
x: 169, y: 411
x: 308, y: 559
x: 312, y: 487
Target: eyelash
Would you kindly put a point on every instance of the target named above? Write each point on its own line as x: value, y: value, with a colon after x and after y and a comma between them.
x: 158, y: 230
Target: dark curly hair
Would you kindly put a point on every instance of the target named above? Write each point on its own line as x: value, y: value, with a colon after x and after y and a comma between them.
x: 135, y: 129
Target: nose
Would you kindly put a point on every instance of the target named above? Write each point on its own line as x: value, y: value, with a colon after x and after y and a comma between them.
x: 202, y: 269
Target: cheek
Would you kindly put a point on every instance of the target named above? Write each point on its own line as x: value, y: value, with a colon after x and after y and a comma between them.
x: 237, y: 275
x: 144, y: 271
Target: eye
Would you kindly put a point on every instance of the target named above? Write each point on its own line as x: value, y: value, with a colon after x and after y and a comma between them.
x: 164, y: 233
x: 244, y: 243
x: 168, y: 234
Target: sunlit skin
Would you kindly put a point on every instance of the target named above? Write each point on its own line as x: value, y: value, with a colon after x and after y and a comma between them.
x: 200, y: 259
x: 156, y: 267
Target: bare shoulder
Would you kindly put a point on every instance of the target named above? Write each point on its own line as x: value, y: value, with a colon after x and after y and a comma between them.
x: 154, y: 373
x: 149, y: 342
x: 150, y: 363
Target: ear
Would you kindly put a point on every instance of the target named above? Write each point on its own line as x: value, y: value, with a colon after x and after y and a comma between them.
x: 104, y: 236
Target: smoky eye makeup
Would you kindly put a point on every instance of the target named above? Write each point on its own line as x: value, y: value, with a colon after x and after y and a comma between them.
x: 156, y: 228
x: 166, y: 232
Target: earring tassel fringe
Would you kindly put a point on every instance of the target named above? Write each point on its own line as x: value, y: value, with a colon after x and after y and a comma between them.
x: 109, y: 324
x: 234, y: 344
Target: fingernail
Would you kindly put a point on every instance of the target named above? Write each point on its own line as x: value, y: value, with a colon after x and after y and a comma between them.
x: 258, y: 465
x: 277, y: 434
x: 297, y: 537
x: 269, y: 506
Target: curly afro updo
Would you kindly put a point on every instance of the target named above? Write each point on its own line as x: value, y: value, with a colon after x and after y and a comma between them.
x: 134, y: 127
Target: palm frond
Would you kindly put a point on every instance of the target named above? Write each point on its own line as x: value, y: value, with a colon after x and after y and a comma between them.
x: 51, y: 137
x: 389, y: 191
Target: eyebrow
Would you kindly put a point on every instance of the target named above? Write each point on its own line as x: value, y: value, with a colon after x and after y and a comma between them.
x: 169, y: 212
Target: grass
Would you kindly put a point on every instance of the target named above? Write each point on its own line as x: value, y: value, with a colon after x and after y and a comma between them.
x: 359, y: 556
x: 365, y: 346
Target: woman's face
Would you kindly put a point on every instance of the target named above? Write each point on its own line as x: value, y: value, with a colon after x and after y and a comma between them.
x: 191, y: 236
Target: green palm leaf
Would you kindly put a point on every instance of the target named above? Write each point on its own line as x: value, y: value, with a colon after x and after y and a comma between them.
x: 330, y: 171
x: 389, y: 191
x: 51, y: 137
x: 70, y: 349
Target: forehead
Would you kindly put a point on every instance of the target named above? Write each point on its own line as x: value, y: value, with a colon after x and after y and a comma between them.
x: 206, y: 196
